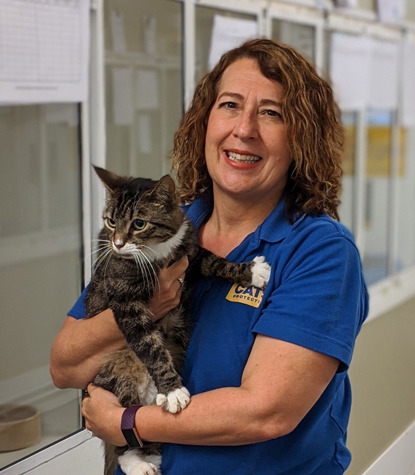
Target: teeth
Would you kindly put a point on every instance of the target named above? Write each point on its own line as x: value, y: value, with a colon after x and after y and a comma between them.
x: 243, y: 158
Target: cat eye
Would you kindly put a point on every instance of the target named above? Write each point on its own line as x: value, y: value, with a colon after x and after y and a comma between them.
x: 139, y: 224
x: 110, y: 223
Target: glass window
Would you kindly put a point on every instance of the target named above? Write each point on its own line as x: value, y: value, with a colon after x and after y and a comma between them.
x: 204, y: 25
x: 410, y: 11
x: 347, y: 205
x: 40, y: 267
x: 143, y: 45
x: 367, y: 5
x: 299, y: 36
x: 378, y: 171
x: 406, y: 199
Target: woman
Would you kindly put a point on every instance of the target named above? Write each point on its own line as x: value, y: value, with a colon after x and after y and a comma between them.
x: 258, y: 158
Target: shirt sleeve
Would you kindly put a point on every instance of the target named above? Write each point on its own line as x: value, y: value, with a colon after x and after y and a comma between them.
x: 78, y: 310
x: 320, y: 301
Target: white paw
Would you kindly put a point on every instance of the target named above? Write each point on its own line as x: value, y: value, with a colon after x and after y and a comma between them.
x: 175, y: 401
x: 143, y: 468
x: 133, y: 462
x: 261, y: 272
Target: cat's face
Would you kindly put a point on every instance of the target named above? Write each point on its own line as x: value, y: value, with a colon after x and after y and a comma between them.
x: 141, y: 217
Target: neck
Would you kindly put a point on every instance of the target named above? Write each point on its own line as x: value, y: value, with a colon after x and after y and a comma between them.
x: 231, y: 221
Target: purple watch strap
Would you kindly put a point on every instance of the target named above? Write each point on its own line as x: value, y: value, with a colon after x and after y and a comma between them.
x: 128, y: 426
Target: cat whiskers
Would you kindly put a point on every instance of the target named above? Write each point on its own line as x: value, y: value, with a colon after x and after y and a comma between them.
x: 144, y: 263
x: 103, y: 252
x: 147, y: 268
x: 145, y: 253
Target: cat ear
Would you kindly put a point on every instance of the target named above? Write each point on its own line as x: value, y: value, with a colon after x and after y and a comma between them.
x: 166, y: 186
x: 110, y: 179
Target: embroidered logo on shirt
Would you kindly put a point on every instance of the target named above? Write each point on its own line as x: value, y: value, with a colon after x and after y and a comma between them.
x: 247, y: 295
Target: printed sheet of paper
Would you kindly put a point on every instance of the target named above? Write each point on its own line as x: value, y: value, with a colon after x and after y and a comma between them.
x: 391, y: 10
x: 350, y: 70
x: 45, y: 51
x: 228, y: 33
x: 383, y: 91
x: 364, y: 72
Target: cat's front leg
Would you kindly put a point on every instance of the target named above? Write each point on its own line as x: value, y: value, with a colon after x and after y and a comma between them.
x: 149, y: 344
x: 172, y: 395
x: 256, y: 273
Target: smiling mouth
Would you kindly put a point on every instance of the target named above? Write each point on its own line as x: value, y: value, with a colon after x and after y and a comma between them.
x: 237, y: 157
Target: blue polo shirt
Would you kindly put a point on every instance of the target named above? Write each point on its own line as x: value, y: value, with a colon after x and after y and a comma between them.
x: 316, y: 298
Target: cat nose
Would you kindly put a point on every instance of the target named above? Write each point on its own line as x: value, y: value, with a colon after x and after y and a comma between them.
x: 119, y: 243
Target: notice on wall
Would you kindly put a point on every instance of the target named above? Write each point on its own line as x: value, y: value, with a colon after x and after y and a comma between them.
x: 391, y: 11
x: 228, y: 33
x: 364, y: 72
x: 383, y: 92
x: 350, y: 70
x: 45, y: 51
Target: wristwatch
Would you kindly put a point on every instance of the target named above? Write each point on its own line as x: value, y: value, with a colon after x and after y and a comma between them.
x: 128, y: 427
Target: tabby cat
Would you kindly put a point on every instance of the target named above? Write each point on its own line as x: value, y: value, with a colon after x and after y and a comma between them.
x: 145, y: 229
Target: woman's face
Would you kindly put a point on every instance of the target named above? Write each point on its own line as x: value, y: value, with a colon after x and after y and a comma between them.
x: 246, y: 139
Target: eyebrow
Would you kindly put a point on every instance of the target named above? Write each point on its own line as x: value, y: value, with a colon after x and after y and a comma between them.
x: 263, y: 102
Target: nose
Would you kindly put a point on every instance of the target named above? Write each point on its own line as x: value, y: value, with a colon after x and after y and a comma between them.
x: 118, y: 243
x: 246, y: 126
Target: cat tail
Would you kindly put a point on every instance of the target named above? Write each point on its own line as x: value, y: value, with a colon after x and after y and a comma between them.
x: 111, y: 460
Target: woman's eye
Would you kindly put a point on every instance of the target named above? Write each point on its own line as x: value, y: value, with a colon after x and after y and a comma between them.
x: 272, y: 113
x: 228, y: 105
x: 110, y: 223
x: 139, y: 224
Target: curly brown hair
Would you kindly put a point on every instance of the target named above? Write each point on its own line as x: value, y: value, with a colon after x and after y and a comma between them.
x: 314, y: 131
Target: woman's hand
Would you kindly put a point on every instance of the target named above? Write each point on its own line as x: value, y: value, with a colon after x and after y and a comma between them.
x: 168, y: 293
x: 102, y: 412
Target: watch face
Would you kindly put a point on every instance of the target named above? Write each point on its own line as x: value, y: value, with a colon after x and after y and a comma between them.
x: 132, y: 438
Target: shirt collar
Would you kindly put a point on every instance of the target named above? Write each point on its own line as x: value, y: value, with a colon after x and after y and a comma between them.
x: 273, y: 229
x: 276, y: 226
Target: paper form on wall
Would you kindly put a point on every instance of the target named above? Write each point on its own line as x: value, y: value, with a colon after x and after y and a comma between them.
x: 228, y: 33
x: 44, y: 52
x: 350, y: 70
x: 383, y: 92
x: 390, y: 11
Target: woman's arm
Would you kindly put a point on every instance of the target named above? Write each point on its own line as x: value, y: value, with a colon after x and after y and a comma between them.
x: 80, y: 347
x: 280, y: 384
x: 81, y: 344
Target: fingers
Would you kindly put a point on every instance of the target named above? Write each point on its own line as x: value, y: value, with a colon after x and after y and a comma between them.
x: 180, y: 266
x: 102, y: 413
x: 91, y: 387
x: 167, y: 295
x: 171, y: 278
x: 178, y: 270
